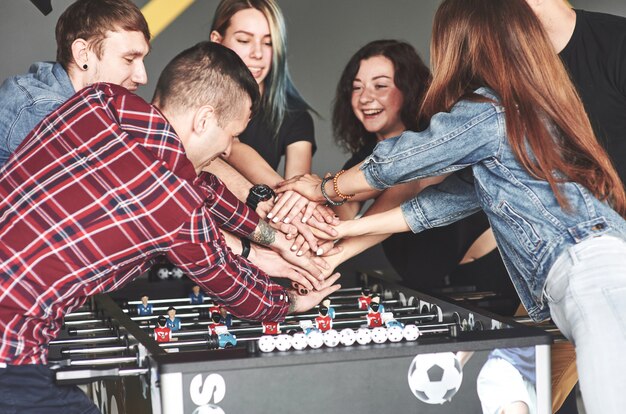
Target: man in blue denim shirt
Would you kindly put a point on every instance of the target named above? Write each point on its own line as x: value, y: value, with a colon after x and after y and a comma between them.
x: 97, y: 41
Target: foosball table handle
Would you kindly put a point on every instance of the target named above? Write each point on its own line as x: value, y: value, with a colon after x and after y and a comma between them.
x: 86, y: 376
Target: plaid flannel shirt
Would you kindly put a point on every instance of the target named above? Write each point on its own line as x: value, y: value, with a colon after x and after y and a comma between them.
x: 99, y: 188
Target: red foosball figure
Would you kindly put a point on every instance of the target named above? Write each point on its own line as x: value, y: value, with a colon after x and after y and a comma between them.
x: 324, y: 322
x: 271, y: 328
x: 216, y: 318
x: 374, y: 313
x: 365, y: 298
x: 162, y: 333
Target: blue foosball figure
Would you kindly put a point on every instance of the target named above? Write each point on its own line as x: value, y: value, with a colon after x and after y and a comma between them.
x: 172, y: 321
x: 144, y: 308
x: 196, y: 297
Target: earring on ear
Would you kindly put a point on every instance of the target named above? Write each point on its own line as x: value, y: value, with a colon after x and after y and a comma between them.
x: 85, y: 66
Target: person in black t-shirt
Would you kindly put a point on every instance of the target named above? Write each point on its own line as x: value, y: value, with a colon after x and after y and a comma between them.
x: 592, y: 46
x: 283, y: 125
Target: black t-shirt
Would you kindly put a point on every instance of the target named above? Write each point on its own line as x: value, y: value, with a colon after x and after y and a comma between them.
x: 596, y: 59
x: 297, y: 126
x: 423, y: 260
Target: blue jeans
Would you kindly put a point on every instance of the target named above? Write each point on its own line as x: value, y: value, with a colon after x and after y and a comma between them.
x: 586, y: 292
x: 30, y: 389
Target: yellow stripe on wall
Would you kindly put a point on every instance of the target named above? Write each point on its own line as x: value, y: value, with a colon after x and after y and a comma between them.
x: 161, y: 13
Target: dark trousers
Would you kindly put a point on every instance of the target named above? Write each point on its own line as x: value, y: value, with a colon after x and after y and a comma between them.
x: 30, y: 389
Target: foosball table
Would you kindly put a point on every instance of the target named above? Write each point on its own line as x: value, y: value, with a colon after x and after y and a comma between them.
x: 374, y: 347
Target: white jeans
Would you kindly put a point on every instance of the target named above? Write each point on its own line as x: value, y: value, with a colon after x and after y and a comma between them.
x: 586, y: 292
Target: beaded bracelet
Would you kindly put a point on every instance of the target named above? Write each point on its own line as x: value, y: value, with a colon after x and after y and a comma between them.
x: 328, y: 200
x: 344, y: 197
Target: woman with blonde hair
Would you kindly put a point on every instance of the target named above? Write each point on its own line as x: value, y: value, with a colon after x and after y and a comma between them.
x: 283, y: 126
x: 508, y: 125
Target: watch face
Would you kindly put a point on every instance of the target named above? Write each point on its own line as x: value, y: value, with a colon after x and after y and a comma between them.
x: 262, y: 192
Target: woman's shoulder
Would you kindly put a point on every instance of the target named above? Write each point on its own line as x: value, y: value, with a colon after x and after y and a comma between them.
x: 481, y: 102
x: 297, y: 115
x: 296, y: 106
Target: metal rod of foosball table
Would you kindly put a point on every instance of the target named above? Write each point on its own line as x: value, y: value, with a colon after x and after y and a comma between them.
x: 83, y: 376
x: 354, y: 305
x: 85, y: 314
x: 175, y: 344
x: 94, y: 350
x: 361, y: 312
x: 178, y: 307
x: 97, y: 361
x: 79, y: 322
x: 92, y: 340
x: 166, y: 301
x: 152, y: 317
x: 88, y: 331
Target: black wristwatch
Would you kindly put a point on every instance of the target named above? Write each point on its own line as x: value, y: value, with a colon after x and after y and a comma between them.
x: 245, y: 247
x: 258, y: 193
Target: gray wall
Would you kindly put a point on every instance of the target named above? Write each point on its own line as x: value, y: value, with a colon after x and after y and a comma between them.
x: 323, y: 34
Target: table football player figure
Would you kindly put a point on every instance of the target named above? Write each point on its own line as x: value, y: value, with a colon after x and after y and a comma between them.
x: 271, y: 328
x: 365, y: 298
x: 331, y: 310
x: 374, y: 313
x: 323, y: 321
x: 144, y: 308
x: 226, y: 317
x: 196, y: 297
x: 162, y: 333
x: 172, y: 321
x: 216, y: 321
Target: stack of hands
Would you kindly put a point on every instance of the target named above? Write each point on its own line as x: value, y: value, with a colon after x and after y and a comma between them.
x: 306, y: 231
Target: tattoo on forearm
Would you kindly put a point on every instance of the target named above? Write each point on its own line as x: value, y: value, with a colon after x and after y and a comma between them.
x: 263, y: 234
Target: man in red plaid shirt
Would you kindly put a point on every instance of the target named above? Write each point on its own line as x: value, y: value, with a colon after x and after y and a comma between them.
x: 108, y: 182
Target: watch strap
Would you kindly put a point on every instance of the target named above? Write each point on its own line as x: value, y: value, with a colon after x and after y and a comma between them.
x: 245, y: 247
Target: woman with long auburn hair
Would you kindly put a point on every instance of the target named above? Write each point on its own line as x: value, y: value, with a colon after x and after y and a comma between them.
x: 508, y: 126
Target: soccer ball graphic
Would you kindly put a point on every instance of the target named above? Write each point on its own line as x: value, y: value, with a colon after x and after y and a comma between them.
x: 435, y: 378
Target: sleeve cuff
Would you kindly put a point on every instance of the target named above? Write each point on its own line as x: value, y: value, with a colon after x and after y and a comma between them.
x: 414, y: 216
x: 371, y: 171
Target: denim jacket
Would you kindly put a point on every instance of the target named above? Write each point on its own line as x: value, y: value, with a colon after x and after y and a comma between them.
x: 27, y: 99
x: 530, y: 227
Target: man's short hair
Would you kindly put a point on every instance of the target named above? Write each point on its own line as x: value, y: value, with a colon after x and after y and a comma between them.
x: 206, y: 74
x: 91, y: 20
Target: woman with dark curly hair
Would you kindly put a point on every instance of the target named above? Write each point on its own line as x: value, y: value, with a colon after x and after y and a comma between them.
x: 378, y: 97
